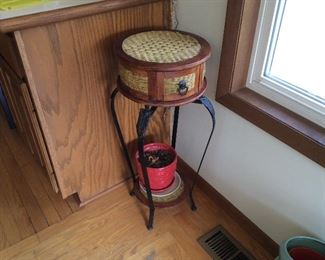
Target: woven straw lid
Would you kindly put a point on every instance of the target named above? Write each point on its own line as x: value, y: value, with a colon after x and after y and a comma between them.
x: 161, y: 46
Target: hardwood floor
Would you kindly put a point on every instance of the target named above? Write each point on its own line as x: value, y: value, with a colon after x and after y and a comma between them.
x: 113, y: 227
x: 28, y: 203
x: 35, y: 223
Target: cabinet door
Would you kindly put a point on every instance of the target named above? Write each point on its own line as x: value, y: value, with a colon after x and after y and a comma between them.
x: 21, y: 106
x: 8, y: 88
x: 10, y: 83
x: 9, y: 52
x: 32, y: 118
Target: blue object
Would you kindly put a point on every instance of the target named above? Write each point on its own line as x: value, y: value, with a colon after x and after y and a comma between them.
x: 6, y: 109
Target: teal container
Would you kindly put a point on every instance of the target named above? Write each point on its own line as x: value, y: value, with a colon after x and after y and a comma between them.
x: 301, y: 241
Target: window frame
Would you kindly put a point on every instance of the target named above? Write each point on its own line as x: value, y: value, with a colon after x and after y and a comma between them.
x: 281, y: 92
x: 299, y: 133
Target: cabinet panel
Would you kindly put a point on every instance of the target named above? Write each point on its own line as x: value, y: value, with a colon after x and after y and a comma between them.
x: 29, y: 134
x: 11, y: 84
x: 38, y: 136
x: 8, y: 84
x: 8, y: 50
x: 71, y: 84
x: 21, y: 105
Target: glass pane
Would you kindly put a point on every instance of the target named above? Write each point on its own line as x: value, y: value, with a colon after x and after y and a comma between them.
x: 299, y: 56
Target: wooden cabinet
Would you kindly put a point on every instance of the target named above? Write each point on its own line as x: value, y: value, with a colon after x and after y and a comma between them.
x: 37, y: 135
x: 25, y: 117
x: 62, y: 107
x: 9, y: 84
x: 8, y: 52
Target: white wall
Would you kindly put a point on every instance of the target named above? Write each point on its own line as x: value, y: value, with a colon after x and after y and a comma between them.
x: 279, y: 189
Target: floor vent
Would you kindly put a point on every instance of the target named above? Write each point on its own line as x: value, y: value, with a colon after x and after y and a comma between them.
x: 220, y: 245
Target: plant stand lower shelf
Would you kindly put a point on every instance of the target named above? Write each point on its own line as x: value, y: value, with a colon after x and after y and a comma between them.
x: 145, y: 115
x: 144, y: 199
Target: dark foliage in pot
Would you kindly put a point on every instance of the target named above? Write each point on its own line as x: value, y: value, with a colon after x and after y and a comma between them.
x: 158, y: 158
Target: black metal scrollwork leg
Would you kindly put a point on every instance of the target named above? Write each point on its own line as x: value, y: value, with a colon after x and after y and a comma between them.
x: 122, y: 141
x: 208, y: 105
x: 142, y: 124
x: 144, y: 117
x: 175, y: 126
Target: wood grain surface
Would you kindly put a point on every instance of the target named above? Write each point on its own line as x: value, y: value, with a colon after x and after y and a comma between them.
x: 59, y: 15
x: 71, y: 70
x: 27, y: 201
x: 38, y: 136
x: 9, y: 84
x: 251, y: 228
x: 9, y: 52
x: 141, y: 98
x: 112, y: 227
x: 25, y: 118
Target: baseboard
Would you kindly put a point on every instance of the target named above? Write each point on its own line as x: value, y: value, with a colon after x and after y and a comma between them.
x: 262, y: 238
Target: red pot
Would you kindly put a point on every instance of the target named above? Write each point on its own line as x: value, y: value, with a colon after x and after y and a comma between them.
x: 303, y: 253
x: 159, y: 178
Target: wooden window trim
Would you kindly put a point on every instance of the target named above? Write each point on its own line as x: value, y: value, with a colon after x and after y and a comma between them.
x: 299, y: 133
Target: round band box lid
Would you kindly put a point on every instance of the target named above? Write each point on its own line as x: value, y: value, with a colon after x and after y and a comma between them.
x: 162, y: 67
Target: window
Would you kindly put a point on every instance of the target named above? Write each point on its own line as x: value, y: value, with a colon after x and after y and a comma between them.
x: 287, y: 63
x: 283, y: 102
